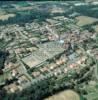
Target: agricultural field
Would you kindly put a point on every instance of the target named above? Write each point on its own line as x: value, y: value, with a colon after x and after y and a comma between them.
x: 24, y: 8
x: 96, y: 28
x: 65, y: 95
x: 5, y: 17
x: 85, y: 20
x: 2, y: 12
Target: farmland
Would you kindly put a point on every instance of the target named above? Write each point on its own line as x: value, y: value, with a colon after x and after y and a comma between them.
x: 5, y: 17
x: 65, y: 95
x: 85, y: 20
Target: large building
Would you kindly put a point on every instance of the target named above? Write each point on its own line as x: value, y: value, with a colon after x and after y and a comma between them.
x: 46, y: 51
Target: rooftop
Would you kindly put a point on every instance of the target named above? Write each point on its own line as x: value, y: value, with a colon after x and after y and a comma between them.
x: 46, y: 51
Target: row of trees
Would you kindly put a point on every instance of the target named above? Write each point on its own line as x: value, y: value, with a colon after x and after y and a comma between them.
x: 36, y: 91
x: 3, y: 56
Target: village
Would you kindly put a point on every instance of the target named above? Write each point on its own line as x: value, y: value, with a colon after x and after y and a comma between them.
x: 33, y: 59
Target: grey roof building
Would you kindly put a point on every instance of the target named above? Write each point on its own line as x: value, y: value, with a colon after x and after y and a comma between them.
x: 46, y: 51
